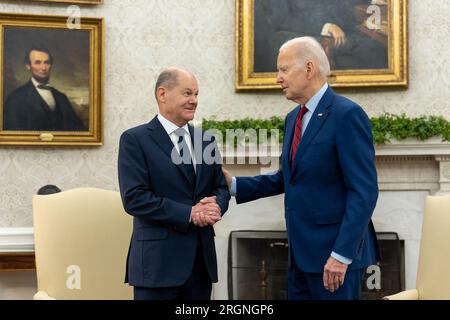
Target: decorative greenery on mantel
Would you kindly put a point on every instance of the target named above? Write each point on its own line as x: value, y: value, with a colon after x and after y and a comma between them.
x: 389, y: 126
x: 385, y: 127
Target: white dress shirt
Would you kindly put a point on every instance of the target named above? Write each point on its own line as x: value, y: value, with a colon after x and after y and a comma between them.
x: 47, y: 95
x: 170, y: 128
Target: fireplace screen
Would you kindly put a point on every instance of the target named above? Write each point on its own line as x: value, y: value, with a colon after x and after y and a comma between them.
x: 257, y: 266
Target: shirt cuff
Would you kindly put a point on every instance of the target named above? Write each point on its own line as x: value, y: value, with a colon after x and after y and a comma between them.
x: 233, y: 187
x: 340, y: 258
x: 325, y: 30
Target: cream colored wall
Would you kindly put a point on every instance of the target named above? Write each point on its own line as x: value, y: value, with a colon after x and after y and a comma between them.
x: 144, y: 36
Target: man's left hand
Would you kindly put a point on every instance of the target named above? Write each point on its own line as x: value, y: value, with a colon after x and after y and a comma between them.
x: 334, y: 274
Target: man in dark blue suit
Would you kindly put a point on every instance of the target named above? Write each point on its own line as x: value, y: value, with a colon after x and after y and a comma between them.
x: 175, y: 190
x: 328, y: 176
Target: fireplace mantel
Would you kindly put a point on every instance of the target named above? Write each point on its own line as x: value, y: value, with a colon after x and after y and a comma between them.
x: 414, y: 147
x: 408, y: 147
x: 409, y: 164
x: 414, y: 165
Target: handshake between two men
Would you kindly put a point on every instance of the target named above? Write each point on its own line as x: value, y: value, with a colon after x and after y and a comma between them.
x: 206, y: 212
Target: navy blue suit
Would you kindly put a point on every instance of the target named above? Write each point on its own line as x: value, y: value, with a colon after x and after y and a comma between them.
x: 159, y: 195
x: 330, y: 188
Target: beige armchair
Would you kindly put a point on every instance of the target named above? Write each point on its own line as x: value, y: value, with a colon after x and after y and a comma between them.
x: 81, y: 242
x: 433, y: 280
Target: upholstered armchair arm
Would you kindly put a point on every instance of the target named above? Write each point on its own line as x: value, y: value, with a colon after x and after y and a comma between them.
x: 404, y: 295
x: 42, y: 295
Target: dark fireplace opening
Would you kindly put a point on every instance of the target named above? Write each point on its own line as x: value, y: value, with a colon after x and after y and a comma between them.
x: 257, y: 266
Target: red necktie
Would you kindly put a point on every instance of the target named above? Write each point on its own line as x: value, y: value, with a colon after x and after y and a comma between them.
x: 297, y: 132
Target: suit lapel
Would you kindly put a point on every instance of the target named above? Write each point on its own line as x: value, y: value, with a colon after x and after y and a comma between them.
x: 162, y: 139
x: 33, y: 96
x: 315, y: 123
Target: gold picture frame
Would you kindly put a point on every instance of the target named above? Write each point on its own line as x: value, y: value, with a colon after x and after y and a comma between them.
x: 60, y: 104
x: 72, y: 1
x: 263, y: 25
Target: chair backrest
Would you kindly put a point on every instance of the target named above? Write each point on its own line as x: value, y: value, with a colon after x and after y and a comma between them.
x: 433, y: 280
x: 81, y: 240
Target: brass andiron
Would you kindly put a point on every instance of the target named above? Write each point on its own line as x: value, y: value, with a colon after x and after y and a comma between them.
x: 263, y: 277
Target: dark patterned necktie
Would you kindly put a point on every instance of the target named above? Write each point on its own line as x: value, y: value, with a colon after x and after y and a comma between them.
x: 44, y: 86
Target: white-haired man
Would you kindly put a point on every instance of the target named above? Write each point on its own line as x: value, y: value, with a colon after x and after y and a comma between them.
x: 328, y: 176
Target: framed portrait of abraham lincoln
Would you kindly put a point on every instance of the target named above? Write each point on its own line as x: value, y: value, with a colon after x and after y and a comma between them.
x: 51, y: 84
x: 365, y: 40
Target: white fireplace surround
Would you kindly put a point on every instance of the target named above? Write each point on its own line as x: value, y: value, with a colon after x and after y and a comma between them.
x: 407, y: 173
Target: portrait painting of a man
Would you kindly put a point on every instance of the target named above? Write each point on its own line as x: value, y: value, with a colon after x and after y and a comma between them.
x: 45, y: 80
x: 339, y: 25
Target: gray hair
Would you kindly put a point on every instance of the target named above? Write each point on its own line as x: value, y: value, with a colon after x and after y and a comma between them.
x: 167, y: 78
x: 309, y: 48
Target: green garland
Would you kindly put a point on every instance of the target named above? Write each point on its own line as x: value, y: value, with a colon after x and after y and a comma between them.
x: 390, y: 126
x: 384, y: 128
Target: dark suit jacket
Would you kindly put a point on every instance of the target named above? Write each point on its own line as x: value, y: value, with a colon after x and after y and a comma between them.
x: 158, y: 194
x: 330, y: 190
x: 25, y: 110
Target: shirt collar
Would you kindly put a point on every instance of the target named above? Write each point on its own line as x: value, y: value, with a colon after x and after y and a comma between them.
x: 169, y: 126
x: 315, y: 99
x: 36, y: 83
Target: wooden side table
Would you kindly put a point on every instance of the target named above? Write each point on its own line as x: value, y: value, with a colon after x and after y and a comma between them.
x: 17, y: 261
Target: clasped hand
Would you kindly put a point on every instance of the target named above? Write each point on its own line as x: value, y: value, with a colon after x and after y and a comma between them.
x: 206, y: 212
